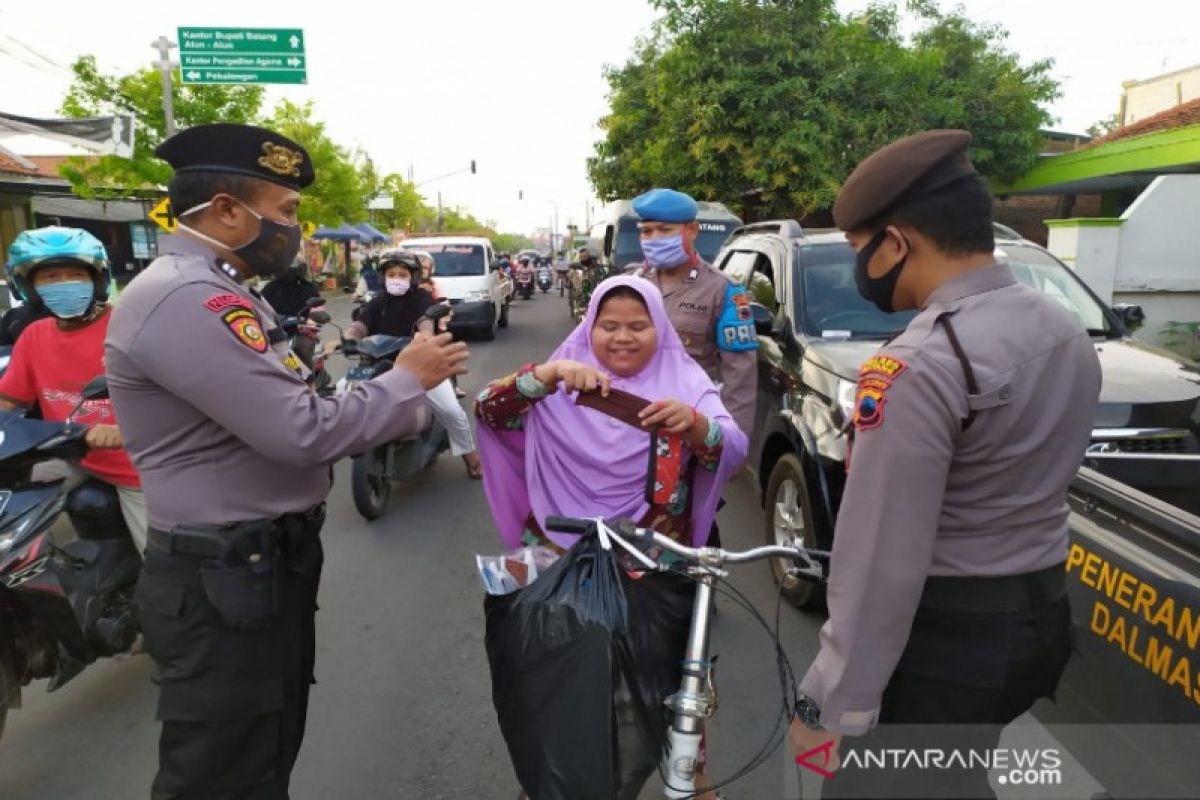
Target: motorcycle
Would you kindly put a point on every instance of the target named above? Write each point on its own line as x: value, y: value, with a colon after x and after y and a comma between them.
x: 373, y: 472
x: 61, y: 606
x: 544, y: 279
x: 302, y: 331
x: 525, y: 282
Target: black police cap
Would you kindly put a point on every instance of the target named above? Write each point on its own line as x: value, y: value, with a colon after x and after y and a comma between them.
x: 901, y: 172
x: 240, y: 150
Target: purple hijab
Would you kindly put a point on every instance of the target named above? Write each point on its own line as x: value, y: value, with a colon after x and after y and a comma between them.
x: 577, y: 462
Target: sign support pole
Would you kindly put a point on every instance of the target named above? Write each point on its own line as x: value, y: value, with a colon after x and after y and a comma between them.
x: 163, y: 45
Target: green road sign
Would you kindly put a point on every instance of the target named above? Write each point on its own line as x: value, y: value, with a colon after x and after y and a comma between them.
x: 242, y: 55
x: 244, y: 76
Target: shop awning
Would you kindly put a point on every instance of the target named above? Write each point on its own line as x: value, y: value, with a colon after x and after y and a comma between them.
x: 79, y: 208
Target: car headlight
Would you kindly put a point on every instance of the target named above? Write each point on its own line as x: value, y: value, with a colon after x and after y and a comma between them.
x: 477, y: 297
x: 847, y: 393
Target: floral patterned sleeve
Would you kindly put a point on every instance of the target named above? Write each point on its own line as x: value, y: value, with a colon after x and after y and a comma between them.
x: 709, y: 456
x: 503, y: 402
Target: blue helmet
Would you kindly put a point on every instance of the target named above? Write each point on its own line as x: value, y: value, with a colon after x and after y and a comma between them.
x: 54, y: 245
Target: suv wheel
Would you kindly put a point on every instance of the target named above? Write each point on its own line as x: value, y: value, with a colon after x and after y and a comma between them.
x: 489, y: 332
x: 789, y: 521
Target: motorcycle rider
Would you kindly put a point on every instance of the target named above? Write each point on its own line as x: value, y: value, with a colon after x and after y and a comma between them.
x: 63, y: 273
x: 394, y: 312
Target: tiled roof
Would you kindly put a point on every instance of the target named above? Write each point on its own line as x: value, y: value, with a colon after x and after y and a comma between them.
x: 46, y: 166
x: 8, y: 165
x: 1179, y: 116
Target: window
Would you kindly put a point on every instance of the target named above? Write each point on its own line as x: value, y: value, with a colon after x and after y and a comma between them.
x: 457, y: 260
x: 1041, y: 271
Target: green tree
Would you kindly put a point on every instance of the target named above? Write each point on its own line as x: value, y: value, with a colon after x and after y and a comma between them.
x: 1104, y: 127
x: 338, y: 195
x: 93, y: 94
x: 772, y: 102
x: 408, y: 208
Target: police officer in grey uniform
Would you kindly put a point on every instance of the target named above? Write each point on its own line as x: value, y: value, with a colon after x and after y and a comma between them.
x: 230, y: 444
x: 710, y: 314
x: 947, y: 598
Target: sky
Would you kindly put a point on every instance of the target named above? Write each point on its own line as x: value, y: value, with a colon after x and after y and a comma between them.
x: 519, y: 86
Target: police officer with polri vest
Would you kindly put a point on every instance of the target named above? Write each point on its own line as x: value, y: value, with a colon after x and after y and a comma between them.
x: 710, y: 313
x: 228, y: 440
x: 947, y: 598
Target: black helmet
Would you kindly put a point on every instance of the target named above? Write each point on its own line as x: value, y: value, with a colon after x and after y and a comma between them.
x: 404, y: 258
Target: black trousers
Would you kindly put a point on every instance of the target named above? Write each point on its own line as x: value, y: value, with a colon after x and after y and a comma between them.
x: 963, y: 677
x: 232, y: 702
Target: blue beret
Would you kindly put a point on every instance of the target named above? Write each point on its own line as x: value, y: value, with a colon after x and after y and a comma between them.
x: 665, y: 205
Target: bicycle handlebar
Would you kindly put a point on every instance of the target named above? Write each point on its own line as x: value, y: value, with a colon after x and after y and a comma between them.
x: 811, y: 567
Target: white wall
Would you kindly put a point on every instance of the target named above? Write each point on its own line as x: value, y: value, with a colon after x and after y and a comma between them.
x: 1152, y: 259
x: 1147, y: 98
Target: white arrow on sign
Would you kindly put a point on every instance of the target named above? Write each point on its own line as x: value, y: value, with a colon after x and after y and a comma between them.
x: 295, y: 62
x: 295, y: 41
x: 193, y: 75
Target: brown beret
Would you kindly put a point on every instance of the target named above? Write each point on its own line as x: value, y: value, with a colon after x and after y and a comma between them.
x: 902, y: 171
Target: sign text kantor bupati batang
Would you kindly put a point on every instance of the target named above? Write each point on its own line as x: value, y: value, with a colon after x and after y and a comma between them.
x: 242, y: 55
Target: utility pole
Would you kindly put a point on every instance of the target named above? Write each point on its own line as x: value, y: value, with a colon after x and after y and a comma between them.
x: 439, y: 216
x: 164, y: 45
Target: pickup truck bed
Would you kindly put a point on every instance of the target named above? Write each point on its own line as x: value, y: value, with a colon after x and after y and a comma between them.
x: 1128, y: 706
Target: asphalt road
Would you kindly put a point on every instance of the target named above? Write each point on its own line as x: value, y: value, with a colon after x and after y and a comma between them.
x: 403, y: 706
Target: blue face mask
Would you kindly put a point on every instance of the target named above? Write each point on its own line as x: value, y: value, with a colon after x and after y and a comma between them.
x: 69, y: 299
x: 665, y: 253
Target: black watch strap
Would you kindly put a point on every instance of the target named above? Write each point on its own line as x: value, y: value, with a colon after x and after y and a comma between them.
x: 808, y: 712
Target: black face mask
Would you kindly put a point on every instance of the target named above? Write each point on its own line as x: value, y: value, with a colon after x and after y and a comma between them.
x: 274, y: 249
x: 270, y: 253
x: 878, y: 290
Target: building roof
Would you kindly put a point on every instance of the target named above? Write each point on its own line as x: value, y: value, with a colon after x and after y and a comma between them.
x: 44, y: 166
x: 1176, y: 117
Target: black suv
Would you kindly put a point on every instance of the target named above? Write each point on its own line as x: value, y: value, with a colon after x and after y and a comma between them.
x: 815, y: 330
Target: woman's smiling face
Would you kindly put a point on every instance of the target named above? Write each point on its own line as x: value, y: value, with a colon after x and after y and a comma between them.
x: 624, y: 338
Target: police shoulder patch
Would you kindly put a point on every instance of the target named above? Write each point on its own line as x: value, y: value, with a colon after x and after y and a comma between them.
x: 874, y: 379
x: 244, y: 325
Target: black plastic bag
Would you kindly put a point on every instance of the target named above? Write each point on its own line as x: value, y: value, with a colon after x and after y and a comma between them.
x: 581, y: 662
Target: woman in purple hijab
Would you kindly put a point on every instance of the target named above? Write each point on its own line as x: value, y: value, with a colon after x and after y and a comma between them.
x: 547, y: 456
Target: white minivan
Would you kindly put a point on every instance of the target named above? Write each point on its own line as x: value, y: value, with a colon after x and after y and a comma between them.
x: 467, y: 275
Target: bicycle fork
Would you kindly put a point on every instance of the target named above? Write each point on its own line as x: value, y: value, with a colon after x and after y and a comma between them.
x: 695, y: 701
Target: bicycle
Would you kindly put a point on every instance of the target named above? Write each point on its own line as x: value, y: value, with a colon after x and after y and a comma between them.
x: 696, y: 699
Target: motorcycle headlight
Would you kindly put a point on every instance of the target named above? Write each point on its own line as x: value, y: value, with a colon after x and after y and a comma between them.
x: 847, y: 392
x: 6, y: 541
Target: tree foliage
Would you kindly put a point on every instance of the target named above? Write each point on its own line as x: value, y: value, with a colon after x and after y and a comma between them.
x: 339, y: 196
x: 772, y: 102
x: 94, y: 94
x: 345, y: 180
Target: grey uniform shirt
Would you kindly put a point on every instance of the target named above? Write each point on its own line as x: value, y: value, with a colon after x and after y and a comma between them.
x: 694, y: 308
x: 219, y: 426
x: 926, y: 497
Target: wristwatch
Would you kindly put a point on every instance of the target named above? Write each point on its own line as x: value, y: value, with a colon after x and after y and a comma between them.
x: 808, y: 712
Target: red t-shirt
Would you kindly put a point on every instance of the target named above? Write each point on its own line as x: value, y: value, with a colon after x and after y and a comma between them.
x: 51, y: 366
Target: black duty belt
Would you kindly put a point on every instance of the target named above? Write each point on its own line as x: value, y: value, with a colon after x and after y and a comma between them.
x: 212, y: 541
x: 1007, y: 593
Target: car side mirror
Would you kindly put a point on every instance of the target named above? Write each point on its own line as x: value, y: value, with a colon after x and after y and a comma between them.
x: 1131, y: 316
x: 96, y: 389
x: 764, y: 320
